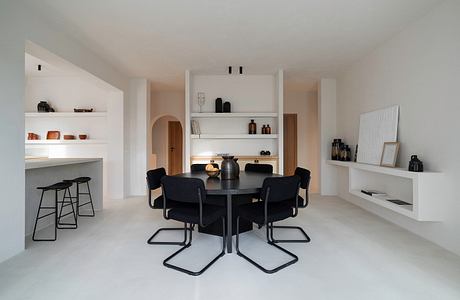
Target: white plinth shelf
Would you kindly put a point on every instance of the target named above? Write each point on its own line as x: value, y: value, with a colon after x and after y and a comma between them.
x: 64, y: 142
x: 235, y: 115
x: 234, y: 136
x: 424, y: 191
x: 65, y: 114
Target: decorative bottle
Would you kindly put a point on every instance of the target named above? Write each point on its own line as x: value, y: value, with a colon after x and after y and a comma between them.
x: 252, y: 127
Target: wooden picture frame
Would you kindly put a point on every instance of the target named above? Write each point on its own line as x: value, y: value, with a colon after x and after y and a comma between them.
x: 389, y: 154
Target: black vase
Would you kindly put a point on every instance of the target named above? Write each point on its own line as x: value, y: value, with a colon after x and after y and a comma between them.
x: 227, y: 107
x: 415, y: 164
x: 219, y: 107
x: 43, y: 106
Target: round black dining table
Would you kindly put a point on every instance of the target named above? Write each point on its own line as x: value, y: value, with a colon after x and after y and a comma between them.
x: 248, y: 183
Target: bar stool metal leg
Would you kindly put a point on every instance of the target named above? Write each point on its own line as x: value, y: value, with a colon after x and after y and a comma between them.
x: 65, y: 203
x: 90, y: 202
x: 44, y: 216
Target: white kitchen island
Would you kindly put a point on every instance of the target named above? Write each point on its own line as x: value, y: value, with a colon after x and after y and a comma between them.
x: 47, y: 171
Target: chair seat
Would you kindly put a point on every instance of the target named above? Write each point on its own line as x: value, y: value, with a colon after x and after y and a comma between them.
x: 79, y: 180
x: 57, y: 186
x: 158, y: 203
x: 191, y: 214
x: 254, y: 212
x: 301, y: 202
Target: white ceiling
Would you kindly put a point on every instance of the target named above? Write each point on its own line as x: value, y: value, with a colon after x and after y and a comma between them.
x: 159, y: 39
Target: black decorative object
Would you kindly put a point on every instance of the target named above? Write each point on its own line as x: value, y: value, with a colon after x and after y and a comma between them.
x: 241, y: 70
x: 267, y: 152
x: 219, y: 107
x: 228, y: 168
x: 227, y: 107
x: 263, y: 152
x: 356, y: 154
x: 229, y: 69
x: 415, y: 164
x: 39, y: 67
x: 43, y: 106
x: 252, y: 127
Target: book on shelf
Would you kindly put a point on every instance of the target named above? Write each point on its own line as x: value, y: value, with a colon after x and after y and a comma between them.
x: 195, y: 127
x: 373, y: 193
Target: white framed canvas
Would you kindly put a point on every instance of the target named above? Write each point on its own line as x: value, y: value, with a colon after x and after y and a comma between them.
x: 376, y: 128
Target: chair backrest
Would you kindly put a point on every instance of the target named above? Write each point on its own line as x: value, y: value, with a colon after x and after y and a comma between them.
x: 201, y: 167
x: 154, y: 178
x: 182, y: 189
x: 277, y: 189
x: 305, y: 176
x: 259, y: 168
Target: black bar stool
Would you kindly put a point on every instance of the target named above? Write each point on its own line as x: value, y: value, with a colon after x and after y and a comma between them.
x: 57, y: 187
x: 78, y: 181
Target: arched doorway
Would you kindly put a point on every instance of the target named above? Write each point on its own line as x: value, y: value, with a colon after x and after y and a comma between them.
x: 167, y: 145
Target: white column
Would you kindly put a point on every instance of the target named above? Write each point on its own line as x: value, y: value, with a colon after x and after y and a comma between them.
x: 327, y: 106
x: 12, y: 84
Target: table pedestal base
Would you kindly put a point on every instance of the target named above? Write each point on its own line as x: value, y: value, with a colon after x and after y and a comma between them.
x: 216, y: 227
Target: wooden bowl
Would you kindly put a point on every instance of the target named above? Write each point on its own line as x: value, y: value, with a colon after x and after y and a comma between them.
x: 82, y: 136
x: 69, y: 137
x: 53, y: 135
x: 213, y: 173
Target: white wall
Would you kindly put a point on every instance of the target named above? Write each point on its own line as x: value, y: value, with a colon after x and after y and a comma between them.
x: 17, y: 25
x: 327, y: 113
x: 419, y: 69
x: 305, y: 105
x: 139, y: 114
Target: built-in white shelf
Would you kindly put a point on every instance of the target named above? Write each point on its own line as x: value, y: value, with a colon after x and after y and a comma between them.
x: 234, y: 136
x: 64, y: 114
x: 235, y: 115
x: 424, y: 191
x: 64, y: 142
x: 378, y: 169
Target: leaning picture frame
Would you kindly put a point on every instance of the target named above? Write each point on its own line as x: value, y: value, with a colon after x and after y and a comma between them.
x: 389, y: 154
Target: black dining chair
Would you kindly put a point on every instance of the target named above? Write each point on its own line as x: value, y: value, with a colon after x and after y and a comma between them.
x: 305, y: 177
x: 201, y: 167
x: 274, y: 206
x: 154, y: 182
x: 191, y: 193
x: 259, y: 168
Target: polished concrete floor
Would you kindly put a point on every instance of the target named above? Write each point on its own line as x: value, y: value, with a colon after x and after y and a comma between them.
x: 353, y: 255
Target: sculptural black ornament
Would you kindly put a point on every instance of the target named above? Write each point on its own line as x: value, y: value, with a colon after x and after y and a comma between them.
x: 415, y: 164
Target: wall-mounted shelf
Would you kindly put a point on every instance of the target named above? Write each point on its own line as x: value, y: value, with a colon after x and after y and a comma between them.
x: 235, y: 115
x: 64, y: 142
x: 234, y: 136
x: 64, y: 115
x: 425, y: 191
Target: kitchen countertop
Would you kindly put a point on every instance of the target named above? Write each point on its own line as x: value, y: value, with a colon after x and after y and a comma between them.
x: 35, y: 163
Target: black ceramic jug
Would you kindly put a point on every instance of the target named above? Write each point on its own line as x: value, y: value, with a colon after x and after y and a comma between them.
x: 415, y: 164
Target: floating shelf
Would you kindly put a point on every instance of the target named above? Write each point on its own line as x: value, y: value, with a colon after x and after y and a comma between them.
x: 64, y: 142
x: 234, y: 115
x: 65, y: 114
x: 425, y: 191
x: 234, y: 136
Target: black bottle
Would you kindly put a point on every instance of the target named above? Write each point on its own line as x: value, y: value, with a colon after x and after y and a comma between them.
x: 219, y: 107
x: 227, y: 107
